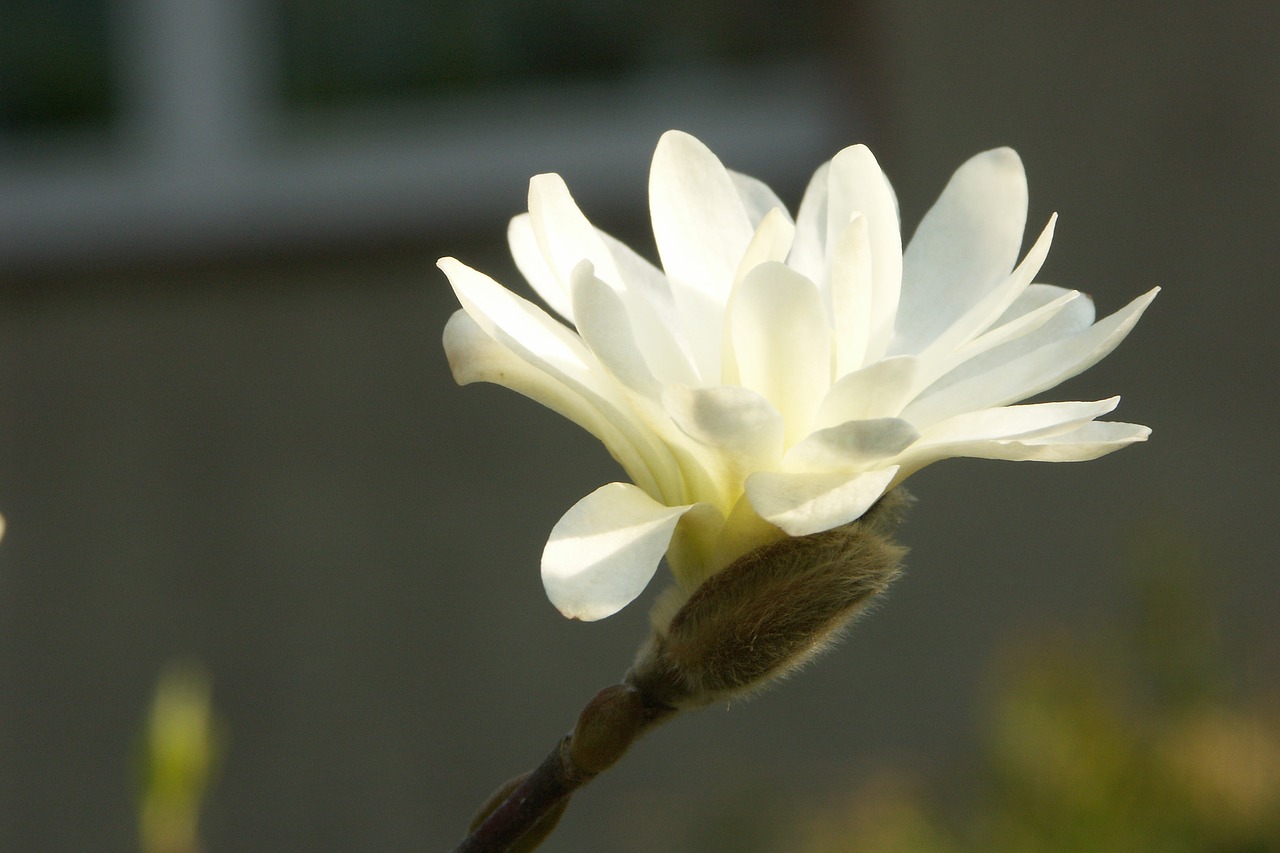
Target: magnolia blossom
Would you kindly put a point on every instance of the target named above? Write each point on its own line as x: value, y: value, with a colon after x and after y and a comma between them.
x: 777, y: 376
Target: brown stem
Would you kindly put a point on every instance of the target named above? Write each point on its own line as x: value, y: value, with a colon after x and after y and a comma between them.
x: 538, y: 795
x: 607, y: 726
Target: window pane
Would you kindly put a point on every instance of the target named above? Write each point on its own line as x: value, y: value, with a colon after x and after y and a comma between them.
x: 348, y: 51
x: 55, y: 65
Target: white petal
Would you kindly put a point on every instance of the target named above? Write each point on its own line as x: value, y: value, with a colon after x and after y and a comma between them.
x: 1029, y: 373
x: 605, y: 549
x: 608, y: 329
x: 562, y: 237
x: 500, y: 312
x: 1042, y: 315
x: 733, y: 419
x: 1084, y: 444
x: 723, y: 433
x: 1037, y: 296
x: 702, y: 229
x: 605, y: 327
x: 533, y: 336
x: 636, y: 273
x: 966, y: 245
x: 771, y: 242
x: 852, y: 446
x: 1026, y: 323
x: 564, y: 233
x: 533, y: 265
x: 809, y: 252
x: 1093, y: 439
x: 476, y: 357
x: 1027, y: 421
x: 801, y: 504
x: 647, y: 295
x: 878, y: 390
x: 781, y: 342
x: 857, y: 185
x: 699, y: 221
x: 757, y: 198
x: 850, y: 286
x: 984, y: 313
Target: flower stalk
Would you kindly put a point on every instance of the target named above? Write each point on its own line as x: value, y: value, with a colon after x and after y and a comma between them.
x: 523, y: 812
x: 756, y: 621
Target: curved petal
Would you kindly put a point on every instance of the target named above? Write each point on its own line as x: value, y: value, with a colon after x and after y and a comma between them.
x: 476, y: 357
x: 781, y: 343
x: 851, y: 289
x: 879, y: 390
x: 757, y: 198
x: 610, y: 333
x: 1036, y: 297
x: 1032, y: 372
x: 701, y: 228
x: 564, y: 234
x: 801, y: 504
x: 535, y: 337
x: 647, y: 295
x: 699, y: 221
x: 637, y: 274
x: 732, y: 419
x: 729, y: 432
x: 533, y: 265
x: 984, y: 313
x: 771, y: 242
x: 858, y: 185
x: 809, y: 250
x: 1025, y: 324
x: 852, y: 446
x: 605, y: 549
x: 1082, y: 444
x: 1088, y: 442
x: 554, y: 237
x: 1042, y: 315
x: 966, y: 245
x: 1008, y: 422
x: 607, y: 330
x: 496, y: 308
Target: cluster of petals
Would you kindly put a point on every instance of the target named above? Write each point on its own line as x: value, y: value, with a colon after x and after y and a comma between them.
x: 777, y: 376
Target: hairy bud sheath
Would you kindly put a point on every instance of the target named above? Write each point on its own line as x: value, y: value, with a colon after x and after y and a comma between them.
x: 770, y: 612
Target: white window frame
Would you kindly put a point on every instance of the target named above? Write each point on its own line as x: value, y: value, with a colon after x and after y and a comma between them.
x: 203, y: 162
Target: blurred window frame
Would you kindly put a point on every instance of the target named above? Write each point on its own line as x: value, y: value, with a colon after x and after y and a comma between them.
x: 203, y: 157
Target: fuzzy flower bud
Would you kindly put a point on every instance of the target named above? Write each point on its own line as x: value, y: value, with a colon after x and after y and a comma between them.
x: 768, y: 613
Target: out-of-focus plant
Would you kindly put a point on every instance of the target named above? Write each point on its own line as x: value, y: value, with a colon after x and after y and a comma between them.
x: 180, y: 750
x: 1135, y: 738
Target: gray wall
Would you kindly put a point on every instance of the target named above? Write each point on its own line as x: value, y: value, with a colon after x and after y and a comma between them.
x: 266, y: 467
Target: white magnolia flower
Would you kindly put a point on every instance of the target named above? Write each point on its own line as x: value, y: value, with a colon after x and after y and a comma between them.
x: 776, y: 377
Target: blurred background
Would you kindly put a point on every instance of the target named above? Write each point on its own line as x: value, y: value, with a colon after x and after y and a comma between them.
x: 228, y: 433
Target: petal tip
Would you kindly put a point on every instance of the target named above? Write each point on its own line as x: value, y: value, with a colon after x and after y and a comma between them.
x: 582, y: 614
x: 677, y: 143
x: 604, y: 551
x: 545, y: 179
x: 675, y: 136
x: 1003, y: 156
x: 859, y: 153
